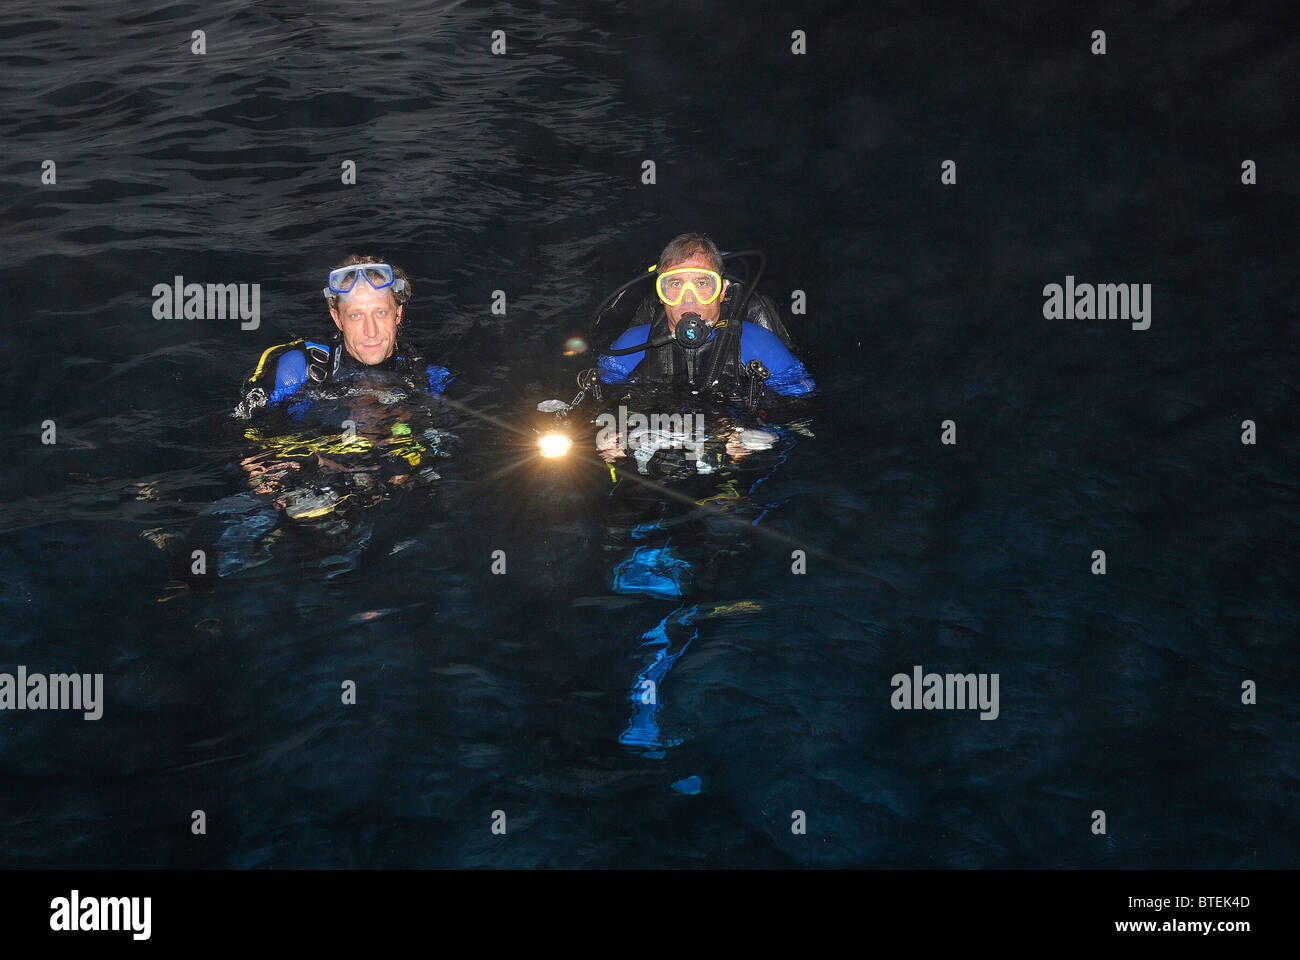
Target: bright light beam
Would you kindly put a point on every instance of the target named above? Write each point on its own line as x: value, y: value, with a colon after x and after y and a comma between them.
x: 553, y: 445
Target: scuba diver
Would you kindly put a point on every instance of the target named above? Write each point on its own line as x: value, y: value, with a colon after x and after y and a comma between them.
x: 366, y: 299
x: 701, y: 341
x: 701, y: 338
x: 334, y: 420
x: 706, y: 334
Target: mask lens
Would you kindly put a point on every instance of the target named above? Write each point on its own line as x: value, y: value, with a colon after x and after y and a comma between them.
x: 703, y: 284
x: 378, y: 275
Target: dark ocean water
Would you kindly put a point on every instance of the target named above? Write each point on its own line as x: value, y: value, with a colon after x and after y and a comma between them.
x: 522, y: 173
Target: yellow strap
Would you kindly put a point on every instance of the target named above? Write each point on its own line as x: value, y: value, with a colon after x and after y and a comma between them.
x: 260, y: 363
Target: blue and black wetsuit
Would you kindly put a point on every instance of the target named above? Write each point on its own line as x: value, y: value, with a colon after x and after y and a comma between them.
x: 727, y: 354
x: 284, y: 370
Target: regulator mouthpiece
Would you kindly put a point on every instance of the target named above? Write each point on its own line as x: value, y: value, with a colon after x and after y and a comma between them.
x: 691, y: 331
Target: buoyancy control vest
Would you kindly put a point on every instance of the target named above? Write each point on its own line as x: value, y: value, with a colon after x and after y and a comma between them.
x: 284, y: 369
x: 718, y: 360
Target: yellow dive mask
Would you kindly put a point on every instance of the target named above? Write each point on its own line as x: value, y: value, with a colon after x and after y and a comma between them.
x: 671, y: 285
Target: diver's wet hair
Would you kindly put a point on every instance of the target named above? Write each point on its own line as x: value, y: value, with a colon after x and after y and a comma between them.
x: 686, y: 245
x: 401, y: 296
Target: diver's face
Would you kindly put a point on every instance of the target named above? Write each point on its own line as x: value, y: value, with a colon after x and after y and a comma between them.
x: 709, y: 312
x: 368, y: 319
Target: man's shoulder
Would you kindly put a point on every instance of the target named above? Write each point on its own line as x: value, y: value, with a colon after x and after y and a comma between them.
x: 788, y: 374
x: 280, y: 371
x: 273, y: 352
x: 434, y: 377
x: 287, y: 355
x: 761, y: 339
x: 617, y: 369
x: 631, y: 336
x: 283, y: 368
